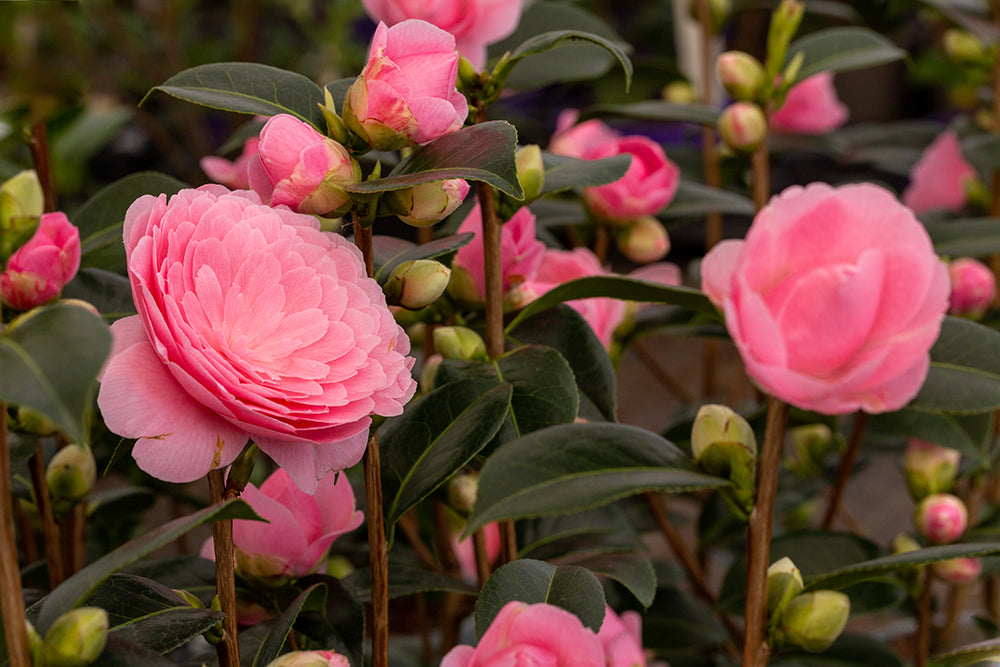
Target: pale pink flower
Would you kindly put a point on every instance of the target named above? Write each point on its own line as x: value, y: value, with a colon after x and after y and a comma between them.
x: 231, y: 173
x: 38, y: 270
x: 973, y: 287
x: 938, y: 180
x: 465, y: 550
x: 531, y: 634
x: 474, y: 23
x: 251, y: 323
x: 941, y: 518
x: 834, y: 299
x: 811, y: 107
x: 621, y: 637
x: 406, y: 93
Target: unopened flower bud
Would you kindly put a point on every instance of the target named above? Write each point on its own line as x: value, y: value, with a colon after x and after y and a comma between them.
x: 810, y: 446
x: 904, y: 543
x: 34, y: 643
x: 679, y: 92
x: 310, y: 659
x: 462, y: 286
x: 462, y: 490
x: 31, y: 421
x: 784, y: 24
x: 530, y: 171
x: 460, y: 343
x: 973, y: 287
x: 71, y: 475
x: 424, y: 204
x: 189, y: 597
x: 428, y: 371
x: 741, y: 75
x: 742, y: 126
x: 941, y: 518
x: 962, y: 46
x: 21, y: 206
x: 76, y: 638
x: 813, y: 621
x: 929, y: 468
x: 958, y: 570
x: 723, y: 444
x: 339, y: 566
x: 644, y: 240
x: 784, y: 582
x: 416, y: 284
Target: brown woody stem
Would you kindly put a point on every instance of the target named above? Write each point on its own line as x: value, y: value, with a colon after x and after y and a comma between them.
x: 12, y: 600
x: 228, y: 649
x: 50, y: 529
x: 846, y: 465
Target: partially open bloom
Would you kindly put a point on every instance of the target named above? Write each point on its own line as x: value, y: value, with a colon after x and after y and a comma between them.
x: 834, y: 299
x: 939, y: 178
x: 973, y: 287
x: 531, y: 634
x: 621, y: 637
x: 811, y: 107
x: 231, y: 173
x: 38, y: 270
x: 406, y: 93
x: 474, y: 23
x: 251, y: 323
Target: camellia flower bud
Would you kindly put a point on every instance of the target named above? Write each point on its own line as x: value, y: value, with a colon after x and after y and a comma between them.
x: 38, y: 270
x: 428, y: 371
x: 941, y: 518
x: 71, y: 475
x: 742, y: 126
x: 644, y: 240
x: 723, y: 444
x: 416, y: 284
x: 530, y: 171
x: 21, y: 206
x: 784, y: 582
x: 679, y: 92
x: 813, y: 621
x: 962, y: 46
x: 462, y: 490
x: 460, y: 343
x: 76, y: 638
x: 310, y: 659
x: 741, y: 75
x: 958, y: 570
x: 30, y: 421
x: 973, y: 287
x: 929, y: 468
x: 427, y: 203
x: 810, y: 446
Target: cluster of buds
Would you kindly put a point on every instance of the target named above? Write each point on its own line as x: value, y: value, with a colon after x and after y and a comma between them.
x: 810, y: 620
x: 723, y: 444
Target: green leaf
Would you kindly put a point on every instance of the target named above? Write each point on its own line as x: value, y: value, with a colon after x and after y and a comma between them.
x: 678, y: 623
x: 407, y: 580
x: 248, y: 88
x: 483, y: 152
x: 567, y: 173
x: 168, y: 629
x: 548, y: 40
x: 961, y: 433
x: 340, y: 624
x: 437, y: 436
x: 849, y: 650
x: 109, y: 292
x: 842, y: 49
x: 633, y: 571
x: 657, y: 111
x: 121, y: 653
x: 981, y: 654
x: 270, y: 648
x: 432, y: 250
x: 964, y: 376
x: 981, y: 149
x: 605, y: 529
x: 74, y: 591
x: 974, y: 237
x: 572, y: 588
x: 619, y: 288
x: 49, y: 361
x: 572, y: 467
x: 695, y: 199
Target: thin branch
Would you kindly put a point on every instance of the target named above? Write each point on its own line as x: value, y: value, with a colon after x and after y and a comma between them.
x: 846, y: 466
x: 225, y: 575
x: 12, y: 600
x: 50, y: 529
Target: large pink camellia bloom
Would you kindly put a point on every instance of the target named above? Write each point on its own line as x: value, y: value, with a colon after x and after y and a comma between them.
x: 834, y: 299
x: 38, y: 270
x: 811, y: 107
x: 939, y: 178
x: 531, y: 634
x: 406, y: 93
x: 251, y: 323
x: 474, y: 23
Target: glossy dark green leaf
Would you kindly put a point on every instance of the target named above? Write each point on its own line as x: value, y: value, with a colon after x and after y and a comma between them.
x: 974, y: 237
x: 49, y: 362
x: 119, y: 652
x: 980, y: 654
x: 695, y: 199
x: 407, y: 580
x: 248, y: 88
x: 183, y: 572
x: 109, y: 292
x: 982, y: 149
x: 436, y: 436
x: 657, y: 111
x: 435, y: 249
x: 127, y: 597
x: 567, y: 173
x: 549, y: 40
x: 632, y: 570
x: 270, y: 648
x: 339, y: 625
x: 842, y: 49
x: 877, y: 595
x: 168, y: 629
x: 850, y: 650
x: 677, y: 623
x: 483, y: 152
x: 964, y: 376
x: 961, y: 433
x: 604, y: 529
x: 573, y: 467
x: 574, y: 589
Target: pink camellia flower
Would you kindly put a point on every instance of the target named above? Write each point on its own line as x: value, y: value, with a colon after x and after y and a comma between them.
x: 973, y: 287
x: 941, y: 518
x: 938, y: 179
x: 621, y: 637
x: 231, y: 173
x: 251, y: 323
x: 811, y: 107
x: 834, y: 299
x: 465, y: 550
x: 474, y: 23
x: 406, y: 93
x: 310, y: 659
x: 958, y: 570
x: 302, y: 169
x: 38, y: 270
x: 301, y: 526
x: 531, y: 634
x: 578, y: 139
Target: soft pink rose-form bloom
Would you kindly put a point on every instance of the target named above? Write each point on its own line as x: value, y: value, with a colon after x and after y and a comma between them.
x: 621, y: 637
x: 301, y: 168
x: 811, y: 107
x: 474, y: 23
x: 231, y: 173
x: 302, y: 526
x: 38, y: 270
x: 251, y: 323
x: 531, y: 634
x: 834, y: 299
x: 406, y: 93
x: 939, y: 178
x: 520, y: 251
x: 973, y: 287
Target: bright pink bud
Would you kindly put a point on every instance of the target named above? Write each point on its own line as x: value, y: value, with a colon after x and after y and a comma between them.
x: 941, y: 518
x: 973, y: 287
x: 39, y: 269
x: 958, y: 570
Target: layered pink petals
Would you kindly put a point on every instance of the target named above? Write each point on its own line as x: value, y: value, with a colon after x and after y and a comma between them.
x: 520, y: 252
x: 939, y: 178
x: 38, y: 270
x: 264, y: 322
x: 811, y: 107
x: 621, y: 637
x: 834, y: 299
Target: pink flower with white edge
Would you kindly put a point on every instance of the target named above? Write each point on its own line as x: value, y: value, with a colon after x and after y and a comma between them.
x: 973, y: 287
x: 621, y: 637
x: 811, y: 107
x: 302, y: 169
x: 939, y: 178
x: 231, y: 173
x: 941, y: 518
x: 252, y: 323
x: 531, y: 634
x: 301, y: 526
x: 474, y: 23
x: 834, y: 299
x: 38, y: 270
x: 406, y: 93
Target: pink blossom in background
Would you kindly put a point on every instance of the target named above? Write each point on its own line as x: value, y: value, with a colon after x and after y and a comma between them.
x: 406, y: 93
x: 958, y: 570
x: 310, y: 659
x: 811, y: 107
x: 231, y: 173
x: 301, y: 168
x: 474, y: 23
x: 578, y: 139
x: 531, y: 634
x: 973, y: 287
x: 38, y: 270
x: 252, y: 323
x: 465, y: 550
x: 938, y: 180
x: 621, y: 637
x: 834, y: 299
